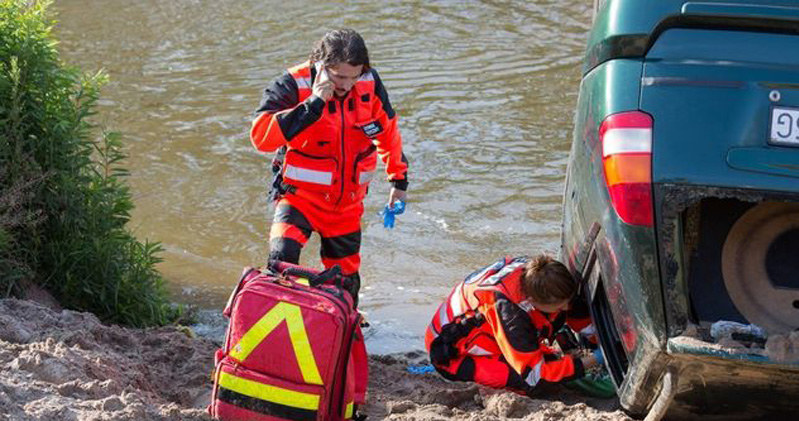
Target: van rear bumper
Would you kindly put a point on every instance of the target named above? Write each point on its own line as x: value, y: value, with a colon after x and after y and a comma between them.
x: 713, y: 383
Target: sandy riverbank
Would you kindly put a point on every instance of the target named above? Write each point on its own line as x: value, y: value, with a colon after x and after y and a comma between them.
x: 64, y: 365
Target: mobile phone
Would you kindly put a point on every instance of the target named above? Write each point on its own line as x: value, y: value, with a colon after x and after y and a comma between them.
x: 323, y: 76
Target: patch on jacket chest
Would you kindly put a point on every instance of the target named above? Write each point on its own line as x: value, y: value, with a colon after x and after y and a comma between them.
x: 372, y: 129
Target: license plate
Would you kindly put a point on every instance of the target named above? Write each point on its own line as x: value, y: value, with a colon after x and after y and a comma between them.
x: 784, y: 126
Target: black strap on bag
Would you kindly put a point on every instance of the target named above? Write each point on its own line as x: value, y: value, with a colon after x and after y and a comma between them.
x: 331, y: 276
x: 316, y: 279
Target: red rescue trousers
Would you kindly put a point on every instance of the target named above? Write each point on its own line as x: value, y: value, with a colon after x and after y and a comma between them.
x: 489, y: 370
x: 340, y: 231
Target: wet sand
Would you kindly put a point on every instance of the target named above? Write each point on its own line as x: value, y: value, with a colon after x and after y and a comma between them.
x: 64, y: 365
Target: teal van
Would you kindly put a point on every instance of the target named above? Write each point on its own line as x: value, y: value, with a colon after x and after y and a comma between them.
x: 681, y: 206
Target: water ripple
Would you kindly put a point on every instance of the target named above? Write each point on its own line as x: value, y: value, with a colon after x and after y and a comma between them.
x: 485, y: 91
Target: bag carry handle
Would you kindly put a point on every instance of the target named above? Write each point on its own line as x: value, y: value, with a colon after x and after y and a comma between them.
x: 301, y: 273
x: 315, y: 278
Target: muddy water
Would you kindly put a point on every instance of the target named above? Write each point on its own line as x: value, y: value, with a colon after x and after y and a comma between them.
x: 485, y: 91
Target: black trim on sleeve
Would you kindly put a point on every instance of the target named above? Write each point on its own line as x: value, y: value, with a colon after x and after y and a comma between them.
x: 402, y: 184
x: 579, y: 370
x: 557, y: 324
x: 283, y: 94
x: 316, y: 105
x: 518, y: 327
x: 380, y: 91
x: 295, y: 121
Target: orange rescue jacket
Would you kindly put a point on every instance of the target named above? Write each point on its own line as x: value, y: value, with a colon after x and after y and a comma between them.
x: 332, y: 147
x: 513, y: 328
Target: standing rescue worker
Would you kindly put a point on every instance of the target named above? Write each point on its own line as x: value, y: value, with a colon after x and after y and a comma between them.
x: 329, y: 119
x: 492, y: 327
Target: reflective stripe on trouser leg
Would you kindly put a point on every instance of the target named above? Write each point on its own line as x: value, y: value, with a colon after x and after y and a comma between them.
x: 289, y: 233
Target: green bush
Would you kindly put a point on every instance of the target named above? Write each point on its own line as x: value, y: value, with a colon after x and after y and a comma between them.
x: 63, y: 202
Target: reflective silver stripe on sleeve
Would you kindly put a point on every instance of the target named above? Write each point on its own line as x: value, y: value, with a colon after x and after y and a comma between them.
x: 535, y: 374
x: 455, y: 301
x: 366, y: 177
x: 366, y: 77
x: 442, y: 315
x: 493, y: 279
x: 308, y: 176
x: 478, y: 276
x: 303, y: 82
x: 432, y: 328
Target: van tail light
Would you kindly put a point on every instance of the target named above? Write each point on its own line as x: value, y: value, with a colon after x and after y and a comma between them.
x: 626, y: 140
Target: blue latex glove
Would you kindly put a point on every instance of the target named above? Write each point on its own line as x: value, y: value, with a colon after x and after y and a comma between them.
x: 599, y: 357
x: 389, y: 212
x: 421, y: 369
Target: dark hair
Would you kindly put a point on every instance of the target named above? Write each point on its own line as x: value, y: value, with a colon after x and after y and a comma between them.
x: 547, y: 280
x: 341, y: 46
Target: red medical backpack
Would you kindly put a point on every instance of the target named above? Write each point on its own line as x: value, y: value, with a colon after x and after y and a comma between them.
x: 293, y: 349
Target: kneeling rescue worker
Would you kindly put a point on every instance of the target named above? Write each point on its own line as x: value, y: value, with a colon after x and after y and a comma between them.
x: 329, y: 119
x: 493, y: 326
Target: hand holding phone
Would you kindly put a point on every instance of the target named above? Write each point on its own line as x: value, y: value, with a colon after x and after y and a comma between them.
x: 323, y: 87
